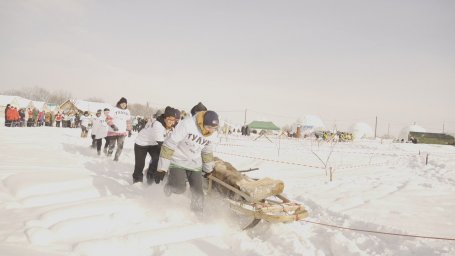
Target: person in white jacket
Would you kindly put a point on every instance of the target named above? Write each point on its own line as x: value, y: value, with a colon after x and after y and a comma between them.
x: 99, y: 130
x: 149, y: 140
x: 106, y: 112
x: 85, y: 121
x: 119, y: 121
x: 187, y: 153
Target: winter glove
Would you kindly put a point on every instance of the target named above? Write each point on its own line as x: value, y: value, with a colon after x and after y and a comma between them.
x: 115, y: 128
x: 129, y: 133
x: 159, y: 176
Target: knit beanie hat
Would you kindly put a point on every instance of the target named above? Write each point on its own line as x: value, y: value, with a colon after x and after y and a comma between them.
x: 211, y: 118
x: 168, y: 112
x: 197, y: 108
x: 122, y: 100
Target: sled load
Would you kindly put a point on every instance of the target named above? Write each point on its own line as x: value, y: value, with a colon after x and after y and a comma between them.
x: 257, y: 198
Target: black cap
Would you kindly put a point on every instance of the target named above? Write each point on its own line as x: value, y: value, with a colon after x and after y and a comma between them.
x: 106, y: 109
x: 98, y: 111
x: 197, y: 108
x: 169, y: 111
x: 211, y: 118
x: 122, y: 100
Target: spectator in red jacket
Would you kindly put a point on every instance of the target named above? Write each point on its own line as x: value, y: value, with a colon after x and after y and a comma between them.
x: 8, y: 115
x: 58, y: 119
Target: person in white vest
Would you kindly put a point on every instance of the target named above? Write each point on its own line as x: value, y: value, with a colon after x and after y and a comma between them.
x: 106, y: 112
x: 85, y: 121
x: 119, y: 121
x: 149, y: 140
x: 99, y: 130
x: 188, y: 155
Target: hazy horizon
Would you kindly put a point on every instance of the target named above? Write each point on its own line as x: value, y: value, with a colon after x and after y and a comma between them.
x: 345, y: 61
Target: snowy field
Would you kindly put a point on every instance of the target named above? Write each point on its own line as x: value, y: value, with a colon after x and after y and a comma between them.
x: 57, y: 197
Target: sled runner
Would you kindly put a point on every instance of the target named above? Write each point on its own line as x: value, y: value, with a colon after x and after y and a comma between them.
x: 260, y: 199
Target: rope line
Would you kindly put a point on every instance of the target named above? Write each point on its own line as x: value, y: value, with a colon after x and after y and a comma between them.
x: 364, y: 165
x: 380, y: 232
x: 306, y: 165
x: 336, y: 151
x: 270, y: 160
x: 340, y: 168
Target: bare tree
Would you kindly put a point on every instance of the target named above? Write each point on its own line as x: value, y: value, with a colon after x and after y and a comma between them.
x: 17, y: 92
x: 95, y: 99
x: 59, y: 97
x: 141, y: 110
x: 328, y: 168
x: 40, y: 94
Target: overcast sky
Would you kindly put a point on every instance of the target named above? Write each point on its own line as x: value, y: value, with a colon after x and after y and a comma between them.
x: 345, y: 61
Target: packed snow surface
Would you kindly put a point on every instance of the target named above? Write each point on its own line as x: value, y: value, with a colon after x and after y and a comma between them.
x: 58, y: 197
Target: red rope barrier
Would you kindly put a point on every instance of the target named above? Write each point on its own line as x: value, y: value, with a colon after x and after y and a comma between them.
x: 270, y: 160
x: 379, y: 232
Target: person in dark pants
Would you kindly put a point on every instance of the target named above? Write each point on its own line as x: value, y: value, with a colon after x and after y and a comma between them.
x: 188, y: 155
x: 149, y: 140
x: 119, y: 121
x: 8, y: 115
x: 58, y: 119
x: 106, y: 144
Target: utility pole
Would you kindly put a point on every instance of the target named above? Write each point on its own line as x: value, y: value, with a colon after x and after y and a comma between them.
x: 376, y: 127
x: 388, y: 130
x: 245, y: 117
x: 443, y: 124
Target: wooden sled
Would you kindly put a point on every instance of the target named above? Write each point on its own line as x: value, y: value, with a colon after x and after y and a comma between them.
x: 259, y: 199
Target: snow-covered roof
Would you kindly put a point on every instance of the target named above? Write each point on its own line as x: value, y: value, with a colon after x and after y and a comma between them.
x: 7, y: 99
x: 15, y: 101
x: 361, y: 130
x: 410, y: 128
x: 40, y: 105
x: 89, y: 106
x: 23, y: 102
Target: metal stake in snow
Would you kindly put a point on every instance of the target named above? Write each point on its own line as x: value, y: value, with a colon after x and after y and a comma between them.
x: 426, y: 160
x: 279, y: 145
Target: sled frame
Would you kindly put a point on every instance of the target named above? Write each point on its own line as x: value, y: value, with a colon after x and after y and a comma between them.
x: 279, y: 210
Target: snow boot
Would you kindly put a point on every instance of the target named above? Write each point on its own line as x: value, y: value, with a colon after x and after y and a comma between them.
x: 150, y: 177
